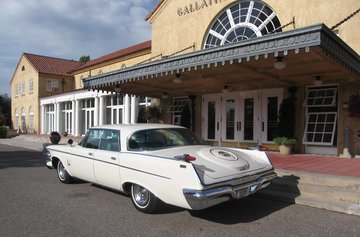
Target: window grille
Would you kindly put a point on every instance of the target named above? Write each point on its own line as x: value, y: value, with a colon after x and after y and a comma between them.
x: 320, y: 128
x: 321, y: 97
x: 241, y: 21
x: 178, y: 105
x: 51, y: 84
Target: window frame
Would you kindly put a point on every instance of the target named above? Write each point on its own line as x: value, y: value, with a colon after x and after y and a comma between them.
x: 16, y: 90
x: 333, y: 132
x: 31, y: 86
x: 52, y: 85
x: 318, y: 97
x: 242, y: 16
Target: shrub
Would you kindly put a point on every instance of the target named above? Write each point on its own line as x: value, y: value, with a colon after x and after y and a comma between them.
x: 3, y: 131
x: 284, y: 141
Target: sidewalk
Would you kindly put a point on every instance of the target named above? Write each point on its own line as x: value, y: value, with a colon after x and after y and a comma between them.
x: 322, y: 164
x: 34, y: 142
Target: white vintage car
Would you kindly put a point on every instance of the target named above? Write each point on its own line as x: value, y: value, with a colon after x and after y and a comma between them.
x: 157, y: 162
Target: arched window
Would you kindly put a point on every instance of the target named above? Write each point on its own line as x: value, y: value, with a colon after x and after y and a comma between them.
x: 16, y: 122
x: 31, y: 120
x: 241, y: 21
x: 23, y: 120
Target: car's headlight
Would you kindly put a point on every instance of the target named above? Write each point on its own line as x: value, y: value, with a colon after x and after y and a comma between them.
x: 46, y: 154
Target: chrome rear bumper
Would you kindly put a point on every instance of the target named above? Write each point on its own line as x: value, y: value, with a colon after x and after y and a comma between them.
x: 201, y: 199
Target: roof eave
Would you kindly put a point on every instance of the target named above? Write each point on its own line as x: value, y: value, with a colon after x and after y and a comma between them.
x: 299, y: 39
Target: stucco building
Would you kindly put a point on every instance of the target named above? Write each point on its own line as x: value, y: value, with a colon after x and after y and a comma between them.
x: 224, y: 67
x: 35, y: 77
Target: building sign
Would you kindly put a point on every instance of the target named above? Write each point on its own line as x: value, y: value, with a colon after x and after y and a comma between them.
x: 196, y: 6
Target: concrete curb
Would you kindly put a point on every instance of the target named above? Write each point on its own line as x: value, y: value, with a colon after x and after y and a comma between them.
x: 330, y: 192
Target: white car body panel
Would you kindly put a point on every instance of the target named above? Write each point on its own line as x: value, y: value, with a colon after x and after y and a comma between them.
x: 162, y: 172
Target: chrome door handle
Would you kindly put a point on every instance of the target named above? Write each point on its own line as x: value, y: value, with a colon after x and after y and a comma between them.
x: 91, y: 154
x: 113, y: 158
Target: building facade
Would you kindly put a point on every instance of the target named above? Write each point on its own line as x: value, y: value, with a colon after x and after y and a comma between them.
x: 231, y: 70
x: 236, y: 62
x: 36, y: 77
x: 73, y: 113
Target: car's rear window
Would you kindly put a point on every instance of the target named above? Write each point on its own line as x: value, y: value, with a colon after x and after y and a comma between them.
x: 155, y: 139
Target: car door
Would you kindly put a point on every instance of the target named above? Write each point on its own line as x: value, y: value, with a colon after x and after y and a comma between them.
x: 81, y: 156
x: 106, y: 159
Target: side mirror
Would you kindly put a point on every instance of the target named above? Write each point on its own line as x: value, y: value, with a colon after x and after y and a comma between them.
x: 70, y: 141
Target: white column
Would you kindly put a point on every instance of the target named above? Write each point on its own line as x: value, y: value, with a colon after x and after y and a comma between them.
x: 134, y: 109
x: 77, y: 125
x: 101, y: 111
x: 127, y: 109
x: 42, y: 120
x: 96, y: 113
x: 73, y: 117
x: 57, y: 117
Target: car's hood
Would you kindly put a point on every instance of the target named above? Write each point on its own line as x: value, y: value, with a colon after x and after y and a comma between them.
x: 219, y: 164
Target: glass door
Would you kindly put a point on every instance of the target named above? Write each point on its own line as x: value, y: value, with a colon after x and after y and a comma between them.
x: 211, y: 118
x: 270, y: 104
x: 231, y: 122
x: 249, y: 115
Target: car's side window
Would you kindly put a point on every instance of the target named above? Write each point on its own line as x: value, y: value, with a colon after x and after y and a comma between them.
x: 93, y: 139
x: 84, y: 139
x: 110, y: 140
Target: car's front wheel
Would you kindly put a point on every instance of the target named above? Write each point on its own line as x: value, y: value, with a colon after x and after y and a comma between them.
x: 143, y: 199
x: 63, y: 175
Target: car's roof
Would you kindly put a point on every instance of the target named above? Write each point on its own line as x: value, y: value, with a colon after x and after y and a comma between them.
x: 136, y: 127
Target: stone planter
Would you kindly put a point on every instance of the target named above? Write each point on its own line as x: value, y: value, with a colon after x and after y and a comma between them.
x: 285, y: 149
x: 55, y: 137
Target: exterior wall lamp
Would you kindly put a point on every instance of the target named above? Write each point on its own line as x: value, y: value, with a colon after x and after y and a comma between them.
x: 177, y: 79
x: 117, y: 89
x: 226, y: 89
x: 164, y: 96
x: 279, y: 64
x: 318, y: 81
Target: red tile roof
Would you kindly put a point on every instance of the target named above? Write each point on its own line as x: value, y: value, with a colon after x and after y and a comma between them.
x: 155, y: 9
x: 52, y: 66
x: 120, y: 53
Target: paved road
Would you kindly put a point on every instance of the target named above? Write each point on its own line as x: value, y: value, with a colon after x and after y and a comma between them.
x: 34, y: 203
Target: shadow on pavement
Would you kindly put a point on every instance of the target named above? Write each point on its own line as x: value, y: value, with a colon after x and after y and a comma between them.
x: 280, y: 194
x: 19, y: 157
x: 245, y: 210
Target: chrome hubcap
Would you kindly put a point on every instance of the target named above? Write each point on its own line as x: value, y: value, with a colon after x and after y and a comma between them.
x: 61, y: 171
x: 141, y: 195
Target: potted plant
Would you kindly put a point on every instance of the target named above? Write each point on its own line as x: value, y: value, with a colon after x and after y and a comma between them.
x: 55, y: 137
x: 149, y: 114
x: 285, y: 144
x: 354, y: 106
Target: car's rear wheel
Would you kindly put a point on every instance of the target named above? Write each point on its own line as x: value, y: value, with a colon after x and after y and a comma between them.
x: 143, y: 199
x: 63, y: 175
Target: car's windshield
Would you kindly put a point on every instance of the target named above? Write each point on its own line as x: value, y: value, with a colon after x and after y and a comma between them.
x: 155, y: 139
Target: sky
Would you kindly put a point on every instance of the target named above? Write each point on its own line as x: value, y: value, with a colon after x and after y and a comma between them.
x: 68, y: 29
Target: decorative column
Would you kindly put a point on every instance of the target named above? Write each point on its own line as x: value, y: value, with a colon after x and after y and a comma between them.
x: 127, y: 109
x: 73, y: 117
x: 134, y: 109
x: 101, y: 111
x: 57, y: 117
x: 77, y: 112
x: 42, y: 120
x: 96, y: 112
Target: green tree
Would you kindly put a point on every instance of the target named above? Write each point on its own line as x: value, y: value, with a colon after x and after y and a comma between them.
x: 84, y: 58
x: 5, y: 110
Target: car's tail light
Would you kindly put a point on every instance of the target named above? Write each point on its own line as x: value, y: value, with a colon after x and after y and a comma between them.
x: 189, y: 158
x: 186, y: 157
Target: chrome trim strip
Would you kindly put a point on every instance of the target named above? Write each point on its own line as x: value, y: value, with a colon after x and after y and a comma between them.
x: 120, y: 166
x: 234, y: 192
